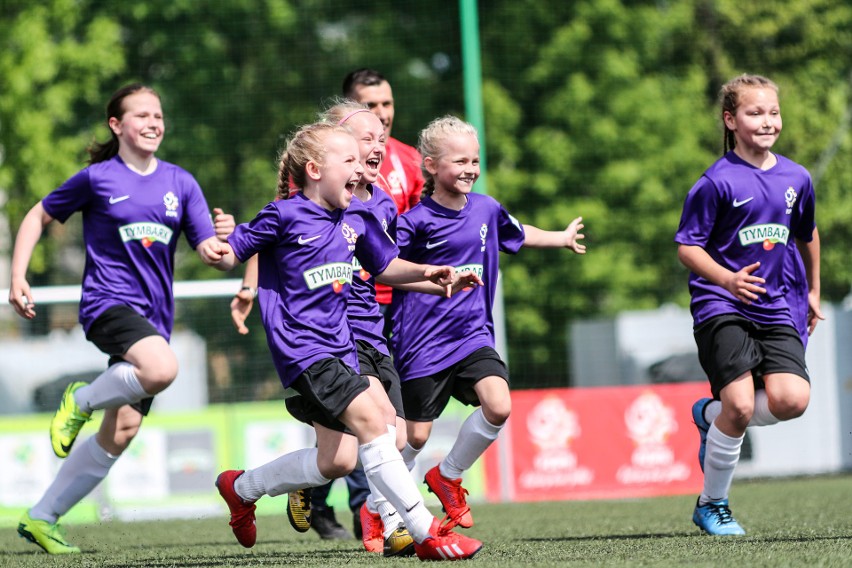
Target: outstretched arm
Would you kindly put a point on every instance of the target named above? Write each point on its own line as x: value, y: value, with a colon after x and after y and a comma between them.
x: 742, y: 284
x: 569, y: 238
x: 401, y: 271
x: 217, y: 254
x: 810, y: 257
x: 20, y: 294
x: 244, y: 299
x: 462, y: 280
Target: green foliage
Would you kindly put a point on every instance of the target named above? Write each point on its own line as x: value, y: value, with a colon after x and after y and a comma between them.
x: 600, y: 108
x: 54, y: 61
x: 619, y: 118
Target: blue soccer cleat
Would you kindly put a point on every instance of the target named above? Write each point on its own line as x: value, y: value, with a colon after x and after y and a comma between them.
x: 702, y: 425
x: 715, y: 519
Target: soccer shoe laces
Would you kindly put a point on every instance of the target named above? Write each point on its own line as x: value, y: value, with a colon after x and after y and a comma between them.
x: 448, y: 523
x: 457, y: 493
x: 722, y: 513
x: 74, y: 423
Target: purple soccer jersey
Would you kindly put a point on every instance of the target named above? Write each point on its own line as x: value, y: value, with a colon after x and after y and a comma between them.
x: 363, y: 309
x: 131, y: 225
x: 740, y: 215
x: 304, y: 277
x: 797, y: 297
x: 430, y: 332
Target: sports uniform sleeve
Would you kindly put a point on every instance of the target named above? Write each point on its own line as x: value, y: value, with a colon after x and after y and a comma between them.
x: 196, y: 223
x: 510, y: 232
x: 261, y: 232
x: 804, y: 221
x: 699, y: 214
x: 374, y: 248
x: 73, y: 195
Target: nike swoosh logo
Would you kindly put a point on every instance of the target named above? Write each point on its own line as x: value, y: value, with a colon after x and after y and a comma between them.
x: 433, y: 245
x: 67, y: 448
x: 303, y: 241
x: 114, y: 200
x: 743, y: 202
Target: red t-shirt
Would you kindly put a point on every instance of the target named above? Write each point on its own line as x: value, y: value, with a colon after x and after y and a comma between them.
x: 401, y: 178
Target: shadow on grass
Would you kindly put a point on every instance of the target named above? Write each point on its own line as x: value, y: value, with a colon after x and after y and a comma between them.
x: 747, y: 538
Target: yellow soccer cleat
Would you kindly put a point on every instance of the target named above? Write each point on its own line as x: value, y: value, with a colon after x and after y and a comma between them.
x: 49, y: 536
x: 299, y: 509
x: 399, y: 543
x: 67, y: 422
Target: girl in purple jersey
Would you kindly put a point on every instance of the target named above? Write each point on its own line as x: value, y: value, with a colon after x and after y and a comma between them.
x: 739, y: 224
x: 445, y: 348
x: 134, y: 208
x: 305, y: 248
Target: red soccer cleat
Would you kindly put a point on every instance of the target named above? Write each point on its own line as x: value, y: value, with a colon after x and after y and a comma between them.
x: 451, y: 494
x: 443, y: 544
x: 242, y: 513
x: 373, y: 530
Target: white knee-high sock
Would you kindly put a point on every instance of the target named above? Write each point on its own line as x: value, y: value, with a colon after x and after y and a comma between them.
x: 296, y: 470
x: 86, y: 466
x: 409, y: 455
x: 378, y: 503
x: 385, y: 469
x: 115, y: 387
x: 761, y: 417
x: 723, y: 454
x: 475, y: 435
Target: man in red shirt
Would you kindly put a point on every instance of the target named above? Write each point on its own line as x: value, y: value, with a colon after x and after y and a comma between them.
x: 400, y: 175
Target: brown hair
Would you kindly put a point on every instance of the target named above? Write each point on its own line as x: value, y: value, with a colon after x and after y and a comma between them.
x: 103, y: 151
x: 729, y: 98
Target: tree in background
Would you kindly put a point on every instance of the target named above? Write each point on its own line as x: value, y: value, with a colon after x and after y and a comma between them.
x: 605, y: 108
x: 55, y: 65
x: 609, y: 110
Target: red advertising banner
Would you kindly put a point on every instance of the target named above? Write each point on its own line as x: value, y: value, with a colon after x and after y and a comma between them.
x: 597, y: 443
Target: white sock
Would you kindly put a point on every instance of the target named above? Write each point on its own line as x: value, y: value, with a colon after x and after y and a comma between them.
x: 296, y: 470
x: 115, y: 387
x: 723, y: 454
x: 761, y: 417
x: 385, y: 469
x: 378, y: 504
x: 475, y: 436
x: 409, y: 455
x: 712, y: 410
x: 80, y: 473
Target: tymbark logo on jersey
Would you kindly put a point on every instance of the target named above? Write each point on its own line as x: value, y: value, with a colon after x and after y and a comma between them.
x: 335, y: 273
x: 146, y: 233
x: 768, y: 234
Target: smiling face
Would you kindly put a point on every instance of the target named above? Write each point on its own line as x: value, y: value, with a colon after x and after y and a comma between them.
x: 457, y: 168
x: 339, y: 174
x: 379, y: 99
x: 141, y: 128
x: 756, y: 123
x: 369, y: 133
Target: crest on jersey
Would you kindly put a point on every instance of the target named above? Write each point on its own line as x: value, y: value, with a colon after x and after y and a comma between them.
x: 790, y: 197
x: 350, y: 235
x: 483, y: 232
x: 170, y: 200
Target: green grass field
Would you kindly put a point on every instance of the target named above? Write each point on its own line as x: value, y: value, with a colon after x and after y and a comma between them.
x: 791, y: 522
